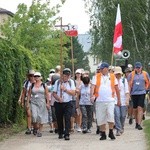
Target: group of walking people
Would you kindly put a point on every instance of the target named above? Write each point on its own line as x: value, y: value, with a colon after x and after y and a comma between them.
x: 70, y: 103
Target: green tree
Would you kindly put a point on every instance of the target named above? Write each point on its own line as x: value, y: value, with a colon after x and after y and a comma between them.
x: 34, y: 29
x: 80, y: 57
x: 30, y: 41
x: 135, y: 19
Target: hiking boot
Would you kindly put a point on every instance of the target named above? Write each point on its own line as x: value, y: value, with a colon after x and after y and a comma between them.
x: 130, y: 121
x: 111, y: 135
x: 143, y: 118
x: 67, y: 137
x: 136, y: 126
x: 139, y: 127
x: 28, y: 132
x: 103, y: 136
x: 51, y: 131
x: 60, y: 136
x: 97, y: 131
x: 84, y: 131
x: 56, y: 131
x: 34, y: 131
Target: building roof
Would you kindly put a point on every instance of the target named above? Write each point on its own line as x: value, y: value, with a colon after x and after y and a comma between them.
x: 4, y: 11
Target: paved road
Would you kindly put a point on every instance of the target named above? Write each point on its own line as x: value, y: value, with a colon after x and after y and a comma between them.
x: 132, y: 139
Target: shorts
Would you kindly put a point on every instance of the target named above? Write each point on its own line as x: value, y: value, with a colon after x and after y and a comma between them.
x: 104, y: 112
x: 138, y: 100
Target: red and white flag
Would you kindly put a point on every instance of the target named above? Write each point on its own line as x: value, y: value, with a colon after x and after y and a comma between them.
x: 117, y: 41
x: 72, y: 30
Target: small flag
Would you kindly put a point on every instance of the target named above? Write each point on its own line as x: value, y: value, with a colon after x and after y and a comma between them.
x: 72, y: 30
x: 117, y: 41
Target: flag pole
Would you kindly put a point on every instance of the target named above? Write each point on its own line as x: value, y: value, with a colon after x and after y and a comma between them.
x: 61, y: 51
x: 112, y: 56
x: 72, y: 59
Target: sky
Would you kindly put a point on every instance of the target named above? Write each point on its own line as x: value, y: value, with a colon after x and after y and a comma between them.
x: 73, y: 12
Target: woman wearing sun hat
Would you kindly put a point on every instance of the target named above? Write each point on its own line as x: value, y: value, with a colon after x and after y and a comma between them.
x: 121, y: 111
x: 23, y: 98
x: 39, y: 103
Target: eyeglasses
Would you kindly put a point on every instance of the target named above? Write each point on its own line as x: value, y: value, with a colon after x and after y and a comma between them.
x: 36, y: 76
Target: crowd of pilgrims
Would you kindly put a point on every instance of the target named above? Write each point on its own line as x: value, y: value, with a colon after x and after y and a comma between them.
x: 70, y: 104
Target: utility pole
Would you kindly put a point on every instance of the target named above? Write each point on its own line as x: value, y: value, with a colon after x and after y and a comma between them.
x: 61, y: 51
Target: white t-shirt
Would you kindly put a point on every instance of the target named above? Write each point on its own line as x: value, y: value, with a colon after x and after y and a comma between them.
x: 85, y: 95
x: 124, y: 88
x: 105, y: 91
x: 65, y: 96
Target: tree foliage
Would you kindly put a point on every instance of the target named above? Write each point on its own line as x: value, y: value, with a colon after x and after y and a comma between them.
x: 29, y: 41
x: 135, y: 19
x: 34, y: 29
x: 80, y: 57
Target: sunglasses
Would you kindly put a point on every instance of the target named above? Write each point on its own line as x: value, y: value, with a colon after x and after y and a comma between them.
x: 31, y: 75
x: 36, y: 76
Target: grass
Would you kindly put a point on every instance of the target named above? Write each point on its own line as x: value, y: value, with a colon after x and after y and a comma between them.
x: 147, y: 132
x: 8, y: 130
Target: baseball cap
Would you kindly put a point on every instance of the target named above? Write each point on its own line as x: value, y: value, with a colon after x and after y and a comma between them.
x: 67, y: 71
x: 104, y: 65
x: 78, y: 71
x: 128, y: 70
x: 138, y: 65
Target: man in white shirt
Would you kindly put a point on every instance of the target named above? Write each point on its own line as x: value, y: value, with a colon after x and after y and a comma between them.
x: 105, y: 86
x: 63, y: 91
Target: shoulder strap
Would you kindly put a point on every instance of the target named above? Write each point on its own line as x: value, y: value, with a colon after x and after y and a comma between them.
x: 26, y: 83
x: 58, y: 83
x: 43, y: 85
x: 69, y: 82
x: 131, y: 80
x: 32, y: 85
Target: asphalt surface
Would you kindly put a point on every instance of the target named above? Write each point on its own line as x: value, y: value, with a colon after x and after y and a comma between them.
x: 131, y: 139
